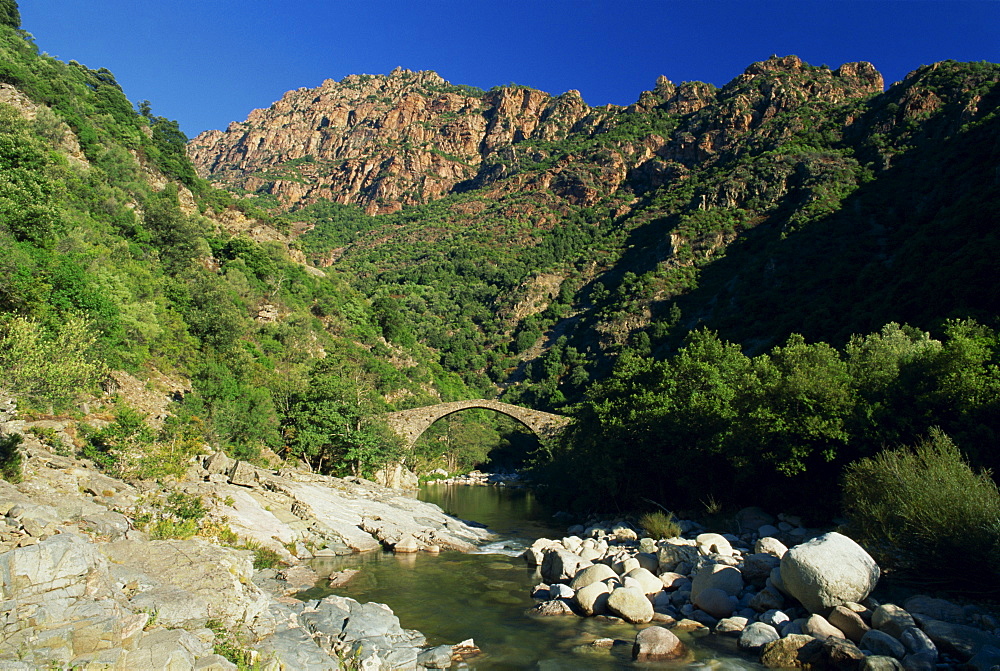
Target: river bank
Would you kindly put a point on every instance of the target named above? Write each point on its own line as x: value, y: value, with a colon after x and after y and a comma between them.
x: 83, y: 585
x: 810, y: 605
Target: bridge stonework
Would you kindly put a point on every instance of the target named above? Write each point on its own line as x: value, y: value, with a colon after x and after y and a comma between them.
x: 410, y: 424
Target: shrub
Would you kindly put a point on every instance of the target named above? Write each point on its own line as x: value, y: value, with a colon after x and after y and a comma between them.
x: 263, y: 557
x: 49, y: 368
x: 924, y: 508
x: 48, y: 437
x: 660, y: 525
x: 10, y: 457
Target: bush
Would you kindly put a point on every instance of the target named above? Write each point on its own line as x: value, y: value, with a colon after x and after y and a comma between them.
x: 49, y: 368
x: 659, y: 525
x: 10, y: 457
x: 924, y: 508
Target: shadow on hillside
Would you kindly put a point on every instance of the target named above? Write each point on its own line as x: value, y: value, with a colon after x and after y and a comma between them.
x: 918, y: 244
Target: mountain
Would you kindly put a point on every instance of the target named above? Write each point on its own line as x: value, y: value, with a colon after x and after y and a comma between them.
x: 763, y: 282
x: 616, y: 217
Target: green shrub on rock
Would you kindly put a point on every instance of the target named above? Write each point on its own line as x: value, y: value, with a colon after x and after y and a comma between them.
x: 923, y: 509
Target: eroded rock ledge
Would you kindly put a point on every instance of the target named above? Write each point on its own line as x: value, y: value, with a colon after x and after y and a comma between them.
x: 82, y: 587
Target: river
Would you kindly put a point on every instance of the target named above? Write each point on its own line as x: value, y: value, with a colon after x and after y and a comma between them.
x: 484, y: 596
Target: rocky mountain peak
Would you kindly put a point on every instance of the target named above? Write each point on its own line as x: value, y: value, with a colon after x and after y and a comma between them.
x: 387, y: 141
x: 378, y: 141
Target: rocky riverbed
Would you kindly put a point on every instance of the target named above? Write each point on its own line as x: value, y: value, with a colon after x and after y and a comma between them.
x: 83, y: 587
x: 808, y: 606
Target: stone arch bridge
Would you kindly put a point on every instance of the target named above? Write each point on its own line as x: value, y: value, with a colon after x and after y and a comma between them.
x: 410, y: 424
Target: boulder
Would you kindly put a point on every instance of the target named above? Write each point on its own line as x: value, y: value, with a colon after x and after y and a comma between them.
x: 551, y: 607
x: 674, y: 551
x: 986, y: 659
x: 217, y: 463
x: 849, y: 622
x: 656, y: 644
x: 243, y: 474
x: 939, y: 609
x: 561, y: 591
x: 828, y: 571
x: 892, y: 619
x: 717, y: 576
x: 592, y: 574
x: 753, y: 517
x: 624, y: 532
x: 776, y: 618
x: 771, y: 546
x: 592, y: 599
x: 767, y: 599
x: 625, y: 564
x: 631, y: 605
x: 880, y: 663
x: 756, y: 568
x: 715, y: 602
x: 960, y: 640
x: 645, y: 580
x: 710, y: 543
x: 731, y: 626
x: 881, y: 643
x: 820, y: 627
x: 767, y: 530
x: 648, y: 561
x: 917, y: 642
x: 559, y: 564
x: 839, y: 653
x: 920, y: 661
x: 756, y: 636
x: 438, y: 657
x: 792, y: 652
x: 406, y: 545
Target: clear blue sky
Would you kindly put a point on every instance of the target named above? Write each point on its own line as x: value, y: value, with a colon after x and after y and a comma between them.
x: 209, y: 62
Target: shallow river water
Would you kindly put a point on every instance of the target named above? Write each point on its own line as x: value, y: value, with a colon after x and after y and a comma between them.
x: 452, y: 596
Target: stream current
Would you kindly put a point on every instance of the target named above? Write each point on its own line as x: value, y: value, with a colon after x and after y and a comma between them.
x: 452, y: 597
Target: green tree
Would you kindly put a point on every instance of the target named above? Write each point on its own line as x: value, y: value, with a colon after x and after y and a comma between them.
x: 796, y: 407
x: 49, y: 368
x: 10, y: 15
x: 27, y: 192
x: 334, y: 424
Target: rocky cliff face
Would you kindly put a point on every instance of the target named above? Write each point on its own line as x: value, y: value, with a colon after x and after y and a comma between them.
x: 383, y: 142
x: 380, y: 142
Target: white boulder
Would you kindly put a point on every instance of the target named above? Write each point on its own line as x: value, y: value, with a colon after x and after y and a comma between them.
x: 828, y: 571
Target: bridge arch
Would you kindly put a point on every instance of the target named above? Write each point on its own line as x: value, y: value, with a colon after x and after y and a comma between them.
x: 410, y: 424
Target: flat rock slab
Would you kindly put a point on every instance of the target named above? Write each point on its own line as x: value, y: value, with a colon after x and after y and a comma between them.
x: 220, y: 577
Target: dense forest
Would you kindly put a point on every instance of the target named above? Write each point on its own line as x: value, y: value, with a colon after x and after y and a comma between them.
x: 738, y: 294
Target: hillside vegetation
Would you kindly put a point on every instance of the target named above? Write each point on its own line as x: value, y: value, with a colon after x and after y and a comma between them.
x: 121, y: 269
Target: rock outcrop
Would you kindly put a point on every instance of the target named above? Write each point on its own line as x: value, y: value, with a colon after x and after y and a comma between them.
x: 378, y: 141
x: 386, y: 141
x: 82, y: 587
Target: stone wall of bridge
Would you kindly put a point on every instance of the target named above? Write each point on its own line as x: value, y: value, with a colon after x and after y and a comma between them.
x: 410, y: 424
